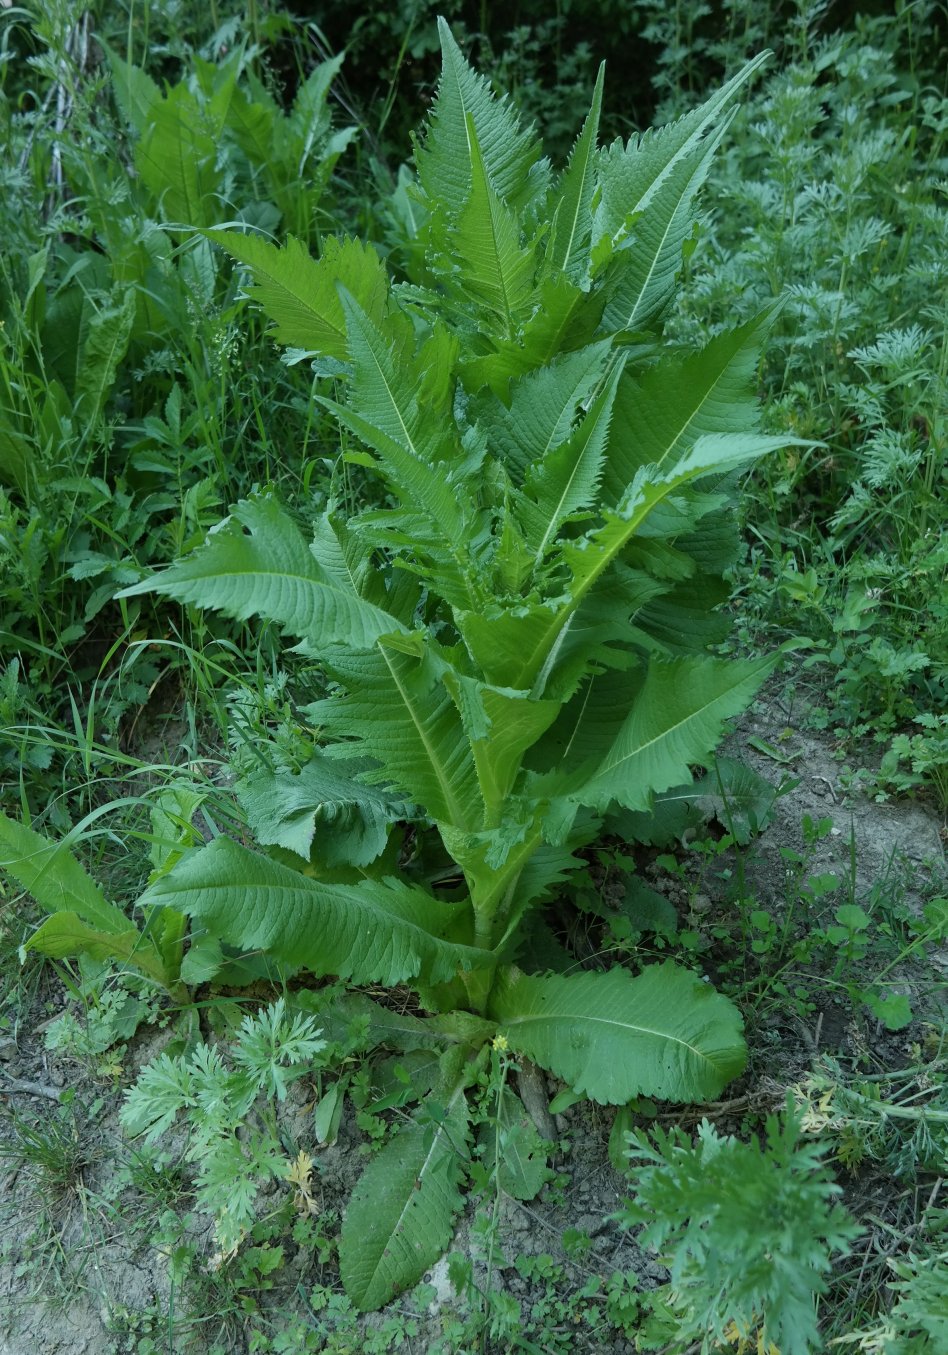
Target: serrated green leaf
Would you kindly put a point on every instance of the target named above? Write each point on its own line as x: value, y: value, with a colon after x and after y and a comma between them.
x: 135, y: 92
x: 634, y: 176
x: 400, y: 1218
x: 257, y: 563
x: 300, y: 294
x: 640, y: 280
x: 501, y: 726
x: 572, y: 227
x: 349, y: 819
x: 64, y: 934
x: 177, y: 159
x: 512, y: 1152
x: 494, y: 269
x: 612, y: 1036
x: 400, y: 713
x: 379, y: 931
x: 49, y: 871
x: 511, y: 153
x: 675, y: 721
x: 542, y: 408
x: 566, y: 480
x: 105, y: 345
x: 658, y: 416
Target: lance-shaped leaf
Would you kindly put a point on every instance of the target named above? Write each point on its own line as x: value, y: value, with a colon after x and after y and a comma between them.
x: 400, y: 1218
x: 501, y: 726
x: 177, y: 157
x: 49, y: 871
x: 564, y: 321
x: 65, y: 934
x: 399, y: 712
x: 397, y: 409
x: 567, y: 479
x: 300, y: 294
x: 542, y: 408
x: 675, y: 721
x: 715, y: 453
x: 521, y: 646
x: 512, y: 1148
x: 633, y: 177
x: 135, y: 92
x: 659, y: 416
x: 257, y: 564
x: 572, y: 225
x: 374, y: 932
x: 494, y: 269
x: 612, y: 1036
x: 83, y: 921
x: 510, y: 152
x: 641, y: 275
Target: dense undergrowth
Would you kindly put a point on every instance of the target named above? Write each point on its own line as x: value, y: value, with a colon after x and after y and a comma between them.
x: 483, y: 315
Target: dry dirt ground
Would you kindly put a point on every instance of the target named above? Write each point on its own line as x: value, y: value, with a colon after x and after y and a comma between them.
x: 85, y: 1279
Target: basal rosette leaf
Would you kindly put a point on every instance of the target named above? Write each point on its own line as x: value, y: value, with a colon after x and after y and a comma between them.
x: 50, y: 872
x: 82, y: 920
x: 401, y: 1215
x: 379, y: 931
x: 613, y: 1036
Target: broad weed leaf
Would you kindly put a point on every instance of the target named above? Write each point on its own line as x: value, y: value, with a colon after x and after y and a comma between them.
x: 400, y: 1218
x: 256, y: 563
x: 375, y: 932
x: 613, y: 1036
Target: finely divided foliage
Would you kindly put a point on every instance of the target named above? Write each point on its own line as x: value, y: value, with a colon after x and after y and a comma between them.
x: 515, y: 640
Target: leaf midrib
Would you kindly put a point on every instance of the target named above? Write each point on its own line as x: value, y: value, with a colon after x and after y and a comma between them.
x: 453, y: 804
x: 436, y: 1143
x: 583, y: 1018
x: 610, y: 766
